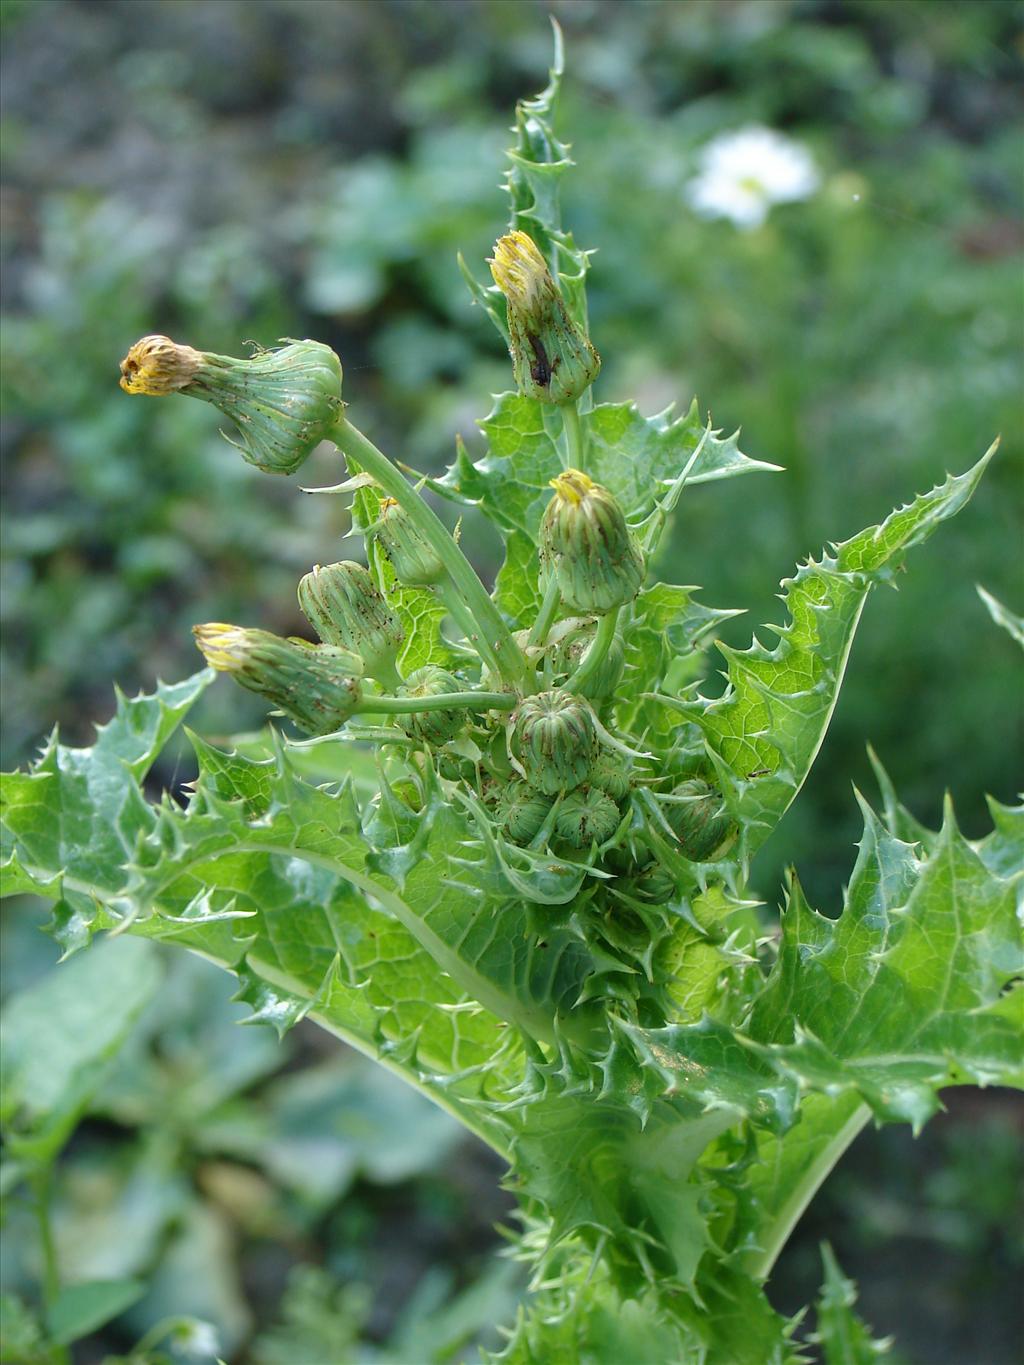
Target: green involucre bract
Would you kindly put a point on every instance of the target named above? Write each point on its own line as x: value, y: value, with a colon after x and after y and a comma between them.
x: 554, y: 740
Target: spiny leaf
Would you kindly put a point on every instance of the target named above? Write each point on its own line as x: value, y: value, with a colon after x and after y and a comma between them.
x: 843, y: 1337
x: 765, y: 731
x: 75, y: 817
x: 915, y: 986
x: 533, y: 183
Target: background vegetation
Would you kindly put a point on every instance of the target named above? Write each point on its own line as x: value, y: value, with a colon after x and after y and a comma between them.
x: 231, y: 170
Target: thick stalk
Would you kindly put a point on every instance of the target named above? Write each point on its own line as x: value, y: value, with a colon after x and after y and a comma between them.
x: 777, y: 1233
x: 548, y: 611
x: 572, y: 428
x: 476, y: 701
x: 388, y: 676
x: 492, y: 637
x: 466, y: 621
x: 595, y: 655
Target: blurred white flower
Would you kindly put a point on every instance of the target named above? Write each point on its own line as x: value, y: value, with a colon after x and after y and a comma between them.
x: 743, y: 174
x: 194, y: 1338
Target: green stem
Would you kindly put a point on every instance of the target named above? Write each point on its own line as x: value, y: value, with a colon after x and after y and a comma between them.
x: 549, y: 608
x: 572, y: 429
x: 595, y: 655
x: 388, y: 676
x: 776, y: 1235
x: 477, y: 701
x: 491, y: 636
x: 460, y: 613
x: 41, y: 1183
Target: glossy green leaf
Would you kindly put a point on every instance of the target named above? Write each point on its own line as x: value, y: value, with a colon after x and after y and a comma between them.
x: 81, y: 1308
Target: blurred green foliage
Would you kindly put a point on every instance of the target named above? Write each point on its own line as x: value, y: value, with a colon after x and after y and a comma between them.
x: 206, y: 1167
x: 232, y: 171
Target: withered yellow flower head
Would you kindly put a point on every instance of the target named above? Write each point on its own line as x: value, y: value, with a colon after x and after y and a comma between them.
x: 317, y: 686
x: 572, y: 486
x: 223, y: 646
x: 586, y: 543
x: 552, y: 358
x: 157, y: 365
x: 519, y: 270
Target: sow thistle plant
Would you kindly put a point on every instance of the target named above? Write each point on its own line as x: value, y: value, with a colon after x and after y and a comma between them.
x: 538, y: 914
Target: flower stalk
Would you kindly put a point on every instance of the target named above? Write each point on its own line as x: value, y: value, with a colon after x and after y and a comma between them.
x: 488, y: 633
x: 474, y: 701
x: 596, y: 654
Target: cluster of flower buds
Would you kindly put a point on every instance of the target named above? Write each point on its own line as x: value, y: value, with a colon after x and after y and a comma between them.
x: 552, y: 359
x: 284, y: 402
x: 317, y: 686
x: 344, y: 607
x: 565, y: 773
x: 586, y: 544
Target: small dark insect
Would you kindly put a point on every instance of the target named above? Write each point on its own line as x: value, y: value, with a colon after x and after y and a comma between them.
x: 542, y: 369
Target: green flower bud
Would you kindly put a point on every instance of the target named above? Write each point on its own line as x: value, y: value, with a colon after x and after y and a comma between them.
x: 700, y: 821
x: 553, y: 738
x: 653, y: 884
x: 586, y: 543
x: 611, y: 775
x: 344, y: 607
x: 413, y: 558
x: 570, y: 641
x: 522, y: 811
x: 552, y: 358
x: 456, y: 768
x: 284, y: 402
x: 587, y: 816
x: 433, y: 727
x: 316, y: 685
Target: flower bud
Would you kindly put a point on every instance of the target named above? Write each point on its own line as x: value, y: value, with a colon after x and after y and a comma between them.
x: 553, y: 738
x: 700, y: 821
x: 585, y: 542
x: 413, y: 558
x: 552, y: 358
x: 433, y: 727
x: 344, y: 607
x: 611, y: 775
x: 456, y: 768
x: 284, y: 402
x: 317, y: 686
x: 570, y: 641
x: 522, y: 811
x: 652, y: 884
x: 587, y: 816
